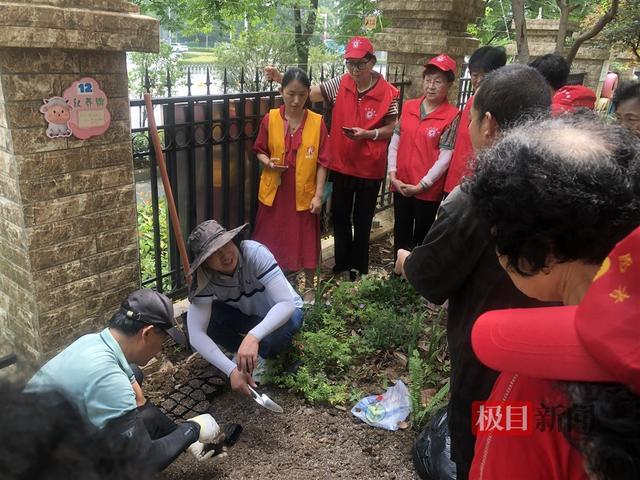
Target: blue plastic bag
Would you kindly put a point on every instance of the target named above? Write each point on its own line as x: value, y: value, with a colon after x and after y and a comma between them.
x: 387, y: 410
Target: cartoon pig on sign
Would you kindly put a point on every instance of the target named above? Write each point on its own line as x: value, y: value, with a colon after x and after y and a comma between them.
x: 57, y: 113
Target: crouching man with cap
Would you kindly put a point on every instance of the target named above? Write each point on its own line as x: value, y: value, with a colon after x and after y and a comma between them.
x: 240, y: 299
x: 96, y: 375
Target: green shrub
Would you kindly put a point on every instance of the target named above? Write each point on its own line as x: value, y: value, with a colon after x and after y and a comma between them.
x: 351, y: 326
x: 146, y: 244
x: 419, y: 380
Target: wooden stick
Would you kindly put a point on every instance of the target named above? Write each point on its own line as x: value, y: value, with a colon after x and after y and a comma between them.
x: 173, y: 213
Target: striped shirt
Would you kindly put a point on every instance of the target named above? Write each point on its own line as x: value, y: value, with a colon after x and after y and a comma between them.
x: 245, y: 289
x: 329, y: 90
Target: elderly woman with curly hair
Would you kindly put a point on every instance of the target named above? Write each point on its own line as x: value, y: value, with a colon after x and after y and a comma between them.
x: 563, y: 198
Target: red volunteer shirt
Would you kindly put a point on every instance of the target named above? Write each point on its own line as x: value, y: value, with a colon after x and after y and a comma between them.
x: 462, y: 152
x: 419, y: 146
x: 542, y: 455
x: 362, y: 158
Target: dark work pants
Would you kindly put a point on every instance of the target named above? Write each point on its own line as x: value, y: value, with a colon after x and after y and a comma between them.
x: 157, y: 439
x: 412, y: 220
x: 157, y: 423
x: 352, y: 206
x: 228, y: 326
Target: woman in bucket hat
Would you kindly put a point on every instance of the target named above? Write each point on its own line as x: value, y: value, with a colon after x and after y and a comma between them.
x: 420, y: 152
x: 240, y: 299
x: 560, y: 195
x: 365, y: 110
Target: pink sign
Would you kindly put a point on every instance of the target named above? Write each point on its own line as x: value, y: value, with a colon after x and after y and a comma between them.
x: 89, y: 115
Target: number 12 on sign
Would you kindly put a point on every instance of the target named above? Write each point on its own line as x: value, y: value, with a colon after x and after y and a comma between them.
x: 85, y: 88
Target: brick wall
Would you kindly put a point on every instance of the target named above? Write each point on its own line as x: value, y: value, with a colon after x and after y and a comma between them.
x: 68, y: 233
x: 74, y: 200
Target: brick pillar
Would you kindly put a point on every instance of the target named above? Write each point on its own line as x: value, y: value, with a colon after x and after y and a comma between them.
x: 68, y: 233
x: 422, y: 29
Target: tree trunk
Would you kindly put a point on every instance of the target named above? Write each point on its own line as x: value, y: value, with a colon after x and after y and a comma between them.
x: 522, y: 43
x: 303, y: 33
x: 562, y: 27
x: 595, y: 30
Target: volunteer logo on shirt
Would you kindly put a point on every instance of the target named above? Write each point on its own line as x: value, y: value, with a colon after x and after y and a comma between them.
x: 310, y: 151
x: 369, y: 113
x: 432, y: 132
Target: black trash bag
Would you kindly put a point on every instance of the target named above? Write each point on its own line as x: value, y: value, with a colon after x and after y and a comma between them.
x: 432, y: 450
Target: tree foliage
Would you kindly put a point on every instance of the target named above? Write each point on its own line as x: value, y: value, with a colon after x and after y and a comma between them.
x: 346, y: 18
x: 495, y: 28
x: 624, y: 30
x: 156, y: 67
x: 292, y: 29
x: 609, y: 12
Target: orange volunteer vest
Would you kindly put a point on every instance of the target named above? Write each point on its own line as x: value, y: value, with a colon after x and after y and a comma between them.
x: 306, y: 159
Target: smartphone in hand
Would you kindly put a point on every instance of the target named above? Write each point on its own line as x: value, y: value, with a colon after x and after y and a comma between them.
x: 348, y: 130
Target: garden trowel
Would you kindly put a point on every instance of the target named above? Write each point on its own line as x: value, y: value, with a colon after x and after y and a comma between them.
x: 265, y: 401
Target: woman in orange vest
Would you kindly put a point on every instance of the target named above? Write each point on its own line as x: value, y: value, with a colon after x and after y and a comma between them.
x: 293, y: 147
x: 420, y: 152
x: 365, y: 109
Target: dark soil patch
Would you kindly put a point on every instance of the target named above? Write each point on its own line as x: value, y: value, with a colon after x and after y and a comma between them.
x: 305, y: 442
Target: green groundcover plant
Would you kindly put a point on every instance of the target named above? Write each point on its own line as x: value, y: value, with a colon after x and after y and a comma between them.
x: 349, y: 334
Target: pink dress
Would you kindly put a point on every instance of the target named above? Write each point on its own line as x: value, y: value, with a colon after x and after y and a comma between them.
x: 293, y: 237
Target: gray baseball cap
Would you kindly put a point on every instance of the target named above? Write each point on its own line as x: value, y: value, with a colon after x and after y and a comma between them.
x: 153, y: 308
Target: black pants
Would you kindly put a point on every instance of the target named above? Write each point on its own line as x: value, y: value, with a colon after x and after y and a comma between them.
x: 157, y: 438
x: 412, y: 220
x: 353, y: 203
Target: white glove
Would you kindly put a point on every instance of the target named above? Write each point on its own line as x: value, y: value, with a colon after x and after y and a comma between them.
x: 198, y: 449
x: 209, y: 428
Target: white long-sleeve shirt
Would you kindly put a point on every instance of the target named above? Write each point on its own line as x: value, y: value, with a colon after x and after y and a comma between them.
x: 257, y: 287
x: 436, y: 171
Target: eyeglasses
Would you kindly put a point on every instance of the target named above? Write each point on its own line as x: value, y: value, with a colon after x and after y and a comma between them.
x: 351, y: 65
x: 435, y: 83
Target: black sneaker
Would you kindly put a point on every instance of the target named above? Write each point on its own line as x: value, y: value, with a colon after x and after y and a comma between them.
x: 337, y: 270
x: 354, y: 275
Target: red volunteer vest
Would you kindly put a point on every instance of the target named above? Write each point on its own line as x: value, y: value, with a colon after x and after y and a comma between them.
x: 462, y: 152
x: 420, y: 144
x: 363, y: 158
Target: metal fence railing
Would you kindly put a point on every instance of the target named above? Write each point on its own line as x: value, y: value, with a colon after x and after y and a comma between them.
x: 465, y: 92
x: 207, y: 144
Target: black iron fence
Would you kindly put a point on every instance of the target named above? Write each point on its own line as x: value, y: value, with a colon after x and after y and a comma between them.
x: 465, y: 92
x: 207, y: 144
